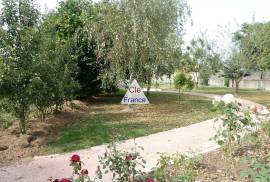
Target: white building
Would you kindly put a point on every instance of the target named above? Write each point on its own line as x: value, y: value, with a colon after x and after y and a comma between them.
x: 254, y: 81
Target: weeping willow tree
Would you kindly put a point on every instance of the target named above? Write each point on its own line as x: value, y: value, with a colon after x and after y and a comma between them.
x: 143, y: 35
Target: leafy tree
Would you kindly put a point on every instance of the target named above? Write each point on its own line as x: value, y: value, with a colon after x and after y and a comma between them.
x: 236, y: 68
x: 54, y: 84
x: 18, y: 45
x: 182, y: 81
x: 253, y: 40
x: 201, y: 59
x: 141, y: 31
x: 71, y: 17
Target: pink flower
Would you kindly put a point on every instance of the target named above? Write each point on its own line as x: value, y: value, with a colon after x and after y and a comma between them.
x: 75, y: 158
x: 65, y: 180
x: 254, y: 109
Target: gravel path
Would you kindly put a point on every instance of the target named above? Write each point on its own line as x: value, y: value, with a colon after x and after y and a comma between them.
x: 191, y: 138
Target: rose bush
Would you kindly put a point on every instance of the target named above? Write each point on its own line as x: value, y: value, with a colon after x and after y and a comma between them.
x: 79, y: 174
x: 124, y: 166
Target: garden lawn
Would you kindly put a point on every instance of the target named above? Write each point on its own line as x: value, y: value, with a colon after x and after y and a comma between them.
x: 108, y: 119
x: 258, y: 96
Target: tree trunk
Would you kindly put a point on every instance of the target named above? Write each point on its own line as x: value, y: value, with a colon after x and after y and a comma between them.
x: 237, y: 86
x: 233, y: 81
x: 196, y: 80
x: 130, y: 81
x: 260, y: 86
x: 43, y: 116
x: 149, y: 81
x: 170, y: 81
x: 179, y: 92
x: 22, y: 123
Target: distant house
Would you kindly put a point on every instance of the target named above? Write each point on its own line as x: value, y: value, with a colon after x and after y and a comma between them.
x: 255, y: 81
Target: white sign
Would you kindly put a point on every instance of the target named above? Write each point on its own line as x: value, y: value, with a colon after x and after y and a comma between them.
x: 134, y: 95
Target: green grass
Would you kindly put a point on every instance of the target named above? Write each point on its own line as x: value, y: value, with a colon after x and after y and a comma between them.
x: 106, y: 120
x: 258, y: 96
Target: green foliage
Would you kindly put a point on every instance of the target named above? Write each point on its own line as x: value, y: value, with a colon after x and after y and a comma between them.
x: 258, y: 164
x: 138, y: 43
x: 176, y: 168
x: 259, y: 171
x: 73, y: 25
x: 18, y: 46
x: 252, y: 40
x: 236, y: 68
x: 56, y: 68
x: 226, y: 82
x: 183, y: 81
x: 122, y: 165
x: 234, y: 123
x: 201, y: 59
x: 36, y: 67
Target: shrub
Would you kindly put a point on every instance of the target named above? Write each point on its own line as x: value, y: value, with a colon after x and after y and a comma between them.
x: 234, y: 120
x: 259, y: 164
x: 79, y: 174
x: 234, y: 123
x: 123, y: 165
x: 182, y: 82
x: 177, y: 167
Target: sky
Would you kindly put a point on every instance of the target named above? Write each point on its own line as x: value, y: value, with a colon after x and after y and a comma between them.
x: 211, y: 17
x: 214, y: 17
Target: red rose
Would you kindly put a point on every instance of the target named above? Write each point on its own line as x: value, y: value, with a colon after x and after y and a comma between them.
x: 149, y: 179
x: 65, y: 180
x: 56, y: 180
x: 84, y: 172
x: 129, y: 157
x: 75, y: 158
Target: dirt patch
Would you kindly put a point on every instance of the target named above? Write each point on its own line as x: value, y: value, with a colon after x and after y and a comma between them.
x: 15, y: 147
x: 213, y: 165
x: 213, y: 168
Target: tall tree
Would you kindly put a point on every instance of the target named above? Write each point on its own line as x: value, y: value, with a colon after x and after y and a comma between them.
x: 18, y: 45
x: 201, y: 59
x: 54, y: 83
x: 236, y: 68
x: 141, y: 31
x: 254, y: 41
x: 70, y: 19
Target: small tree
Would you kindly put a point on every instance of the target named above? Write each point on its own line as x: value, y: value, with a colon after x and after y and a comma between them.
x: 182, y: 81
x: 236, y: 68
x: 235, y: 121
x: 19, y: 45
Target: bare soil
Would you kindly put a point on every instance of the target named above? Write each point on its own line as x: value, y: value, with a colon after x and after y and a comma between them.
x: 213, y: 168
x: 16, y: 147
x: 213, y: 164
